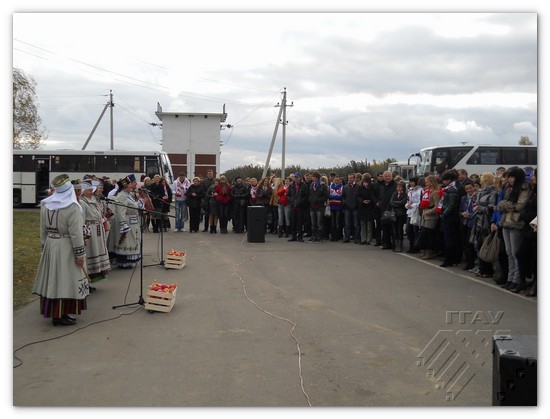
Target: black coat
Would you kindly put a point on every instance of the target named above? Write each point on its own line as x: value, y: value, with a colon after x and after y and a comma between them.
x: 451, y: 203
x: 397, y: 203
x: 349, y: 196
x: 386, y: 192
x: 195, y: 201
x: 239, y: 191
x: 318, y: 197
x: 365, y: 194
x: 157, y: 192
x: 297, y: 199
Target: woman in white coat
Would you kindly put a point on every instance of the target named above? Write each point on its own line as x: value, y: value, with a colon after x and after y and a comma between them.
x: 61, y: 281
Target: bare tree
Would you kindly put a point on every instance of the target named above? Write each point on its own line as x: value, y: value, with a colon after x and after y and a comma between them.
x: 28, y: 132
x: 524, y: 140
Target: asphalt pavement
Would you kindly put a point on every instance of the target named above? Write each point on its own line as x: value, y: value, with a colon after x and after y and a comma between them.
x: 272, y: 324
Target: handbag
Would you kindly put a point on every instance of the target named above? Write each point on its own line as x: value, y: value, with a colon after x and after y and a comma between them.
x: 430, y: 223
x: 511, y: 219
x: 327, y: 211
x: 416, y: 217
x: 388, y: 216
x: 490, y: 248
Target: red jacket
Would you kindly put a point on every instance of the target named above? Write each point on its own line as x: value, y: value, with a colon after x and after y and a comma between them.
x: 283, y: 199
x: 221, y: 197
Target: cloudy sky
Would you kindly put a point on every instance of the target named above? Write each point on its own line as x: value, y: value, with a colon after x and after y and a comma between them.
x: 364, y: 85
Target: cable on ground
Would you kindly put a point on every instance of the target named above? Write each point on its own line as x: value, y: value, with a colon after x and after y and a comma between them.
x: 278, y: 318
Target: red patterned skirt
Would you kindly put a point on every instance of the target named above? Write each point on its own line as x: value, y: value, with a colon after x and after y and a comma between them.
x: 58, y: 307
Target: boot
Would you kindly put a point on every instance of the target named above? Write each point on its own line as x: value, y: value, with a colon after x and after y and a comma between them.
x: 533, y: 290
x: 429, y: 255
x: 412, y: 248
x: 519, y: 286
x: 280, y: 231
x: 399, y: 245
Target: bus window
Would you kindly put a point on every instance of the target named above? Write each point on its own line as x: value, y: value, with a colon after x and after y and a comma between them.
x: 532, y: 156
x: 514, y: 156
x: 441, y: 160
x: 457, y: 154
x: 152, y: 169
x: 489, y: 156
x: 440, y: 155
x: 26, y: 163
x: 424, y: 165
x: 486, y: 156
x: 408, y: 173
x: 105, y: 164
x: 129, y: 164
x: 71, y: 163
x: 152, y: 166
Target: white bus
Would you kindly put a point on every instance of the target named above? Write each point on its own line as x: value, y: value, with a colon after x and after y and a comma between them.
x: 34, y: 170
x: 475, y: 158
x: 403, y: 168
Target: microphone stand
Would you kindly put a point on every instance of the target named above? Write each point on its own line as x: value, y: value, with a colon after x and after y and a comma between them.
x: 161, y: 229
x: 140, y: 301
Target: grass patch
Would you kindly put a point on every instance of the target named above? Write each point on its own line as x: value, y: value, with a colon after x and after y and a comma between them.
x: 26, y: 255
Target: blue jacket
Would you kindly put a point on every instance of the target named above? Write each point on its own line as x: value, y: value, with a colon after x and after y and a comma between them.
x: 497, y: 215
x: 464, y: 206
x: 335, y: 196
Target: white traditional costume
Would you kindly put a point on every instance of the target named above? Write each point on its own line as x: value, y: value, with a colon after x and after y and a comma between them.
x: 125, y: 236
x: 61, y: 284
x: 97, y: 256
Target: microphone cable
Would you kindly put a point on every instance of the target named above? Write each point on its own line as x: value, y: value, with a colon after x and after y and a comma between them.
x: 293, y: 324
x: 68, y: 334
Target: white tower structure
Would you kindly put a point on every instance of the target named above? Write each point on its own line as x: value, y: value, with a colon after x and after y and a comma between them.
x: 192, y: 141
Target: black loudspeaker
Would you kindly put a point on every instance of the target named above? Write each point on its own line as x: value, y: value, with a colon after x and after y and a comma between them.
x: 514, y: 370
x: 256, y: 219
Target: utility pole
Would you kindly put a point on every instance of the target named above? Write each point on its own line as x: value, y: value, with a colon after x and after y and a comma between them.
x: 108, y: 104
x: 283, y: 121
x: 111, y: 105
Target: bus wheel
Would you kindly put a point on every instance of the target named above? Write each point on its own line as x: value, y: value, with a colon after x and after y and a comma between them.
x: 17, y: 201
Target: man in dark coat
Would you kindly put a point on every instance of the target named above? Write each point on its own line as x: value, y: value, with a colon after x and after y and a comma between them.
x: 239, y: 194
x: 376, y: 194
x: 297, y: 198
x: 318, y: 196
x: 206, y: 183
x: 386, y: 191
x: 352, y: 224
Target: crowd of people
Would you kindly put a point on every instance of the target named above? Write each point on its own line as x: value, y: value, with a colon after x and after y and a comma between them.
x: 447, y: 216
x: 100, y: 223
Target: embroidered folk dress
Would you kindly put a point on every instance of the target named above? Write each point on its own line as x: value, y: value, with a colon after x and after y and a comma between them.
x: 61, y: 284
x: 125, y: 234
x: 97, y: 256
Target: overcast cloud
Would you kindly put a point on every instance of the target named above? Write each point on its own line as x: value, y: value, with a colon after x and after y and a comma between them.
x: 364, y: 85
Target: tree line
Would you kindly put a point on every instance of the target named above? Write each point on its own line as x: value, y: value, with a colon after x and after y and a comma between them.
x: 353, y: 166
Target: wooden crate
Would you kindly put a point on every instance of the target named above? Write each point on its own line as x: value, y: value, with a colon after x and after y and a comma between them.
x: 174, y: 262
x: 160, y: 301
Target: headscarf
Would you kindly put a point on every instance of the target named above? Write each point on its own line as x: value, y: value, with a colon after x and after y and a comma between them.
x: 63, y: 196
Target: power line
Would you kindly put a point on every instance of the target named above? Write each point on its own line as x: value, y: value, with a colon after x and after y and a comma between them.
x: 183, y: 93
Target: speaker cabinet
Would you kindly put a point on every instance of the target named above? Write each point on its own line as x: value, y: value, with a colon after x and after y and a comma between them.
x: 256, y: 219
x: 514, y: 370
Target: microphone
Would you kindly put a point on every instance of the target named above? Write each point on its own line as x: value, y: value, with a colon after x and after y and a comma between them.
x: 103, y: 198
